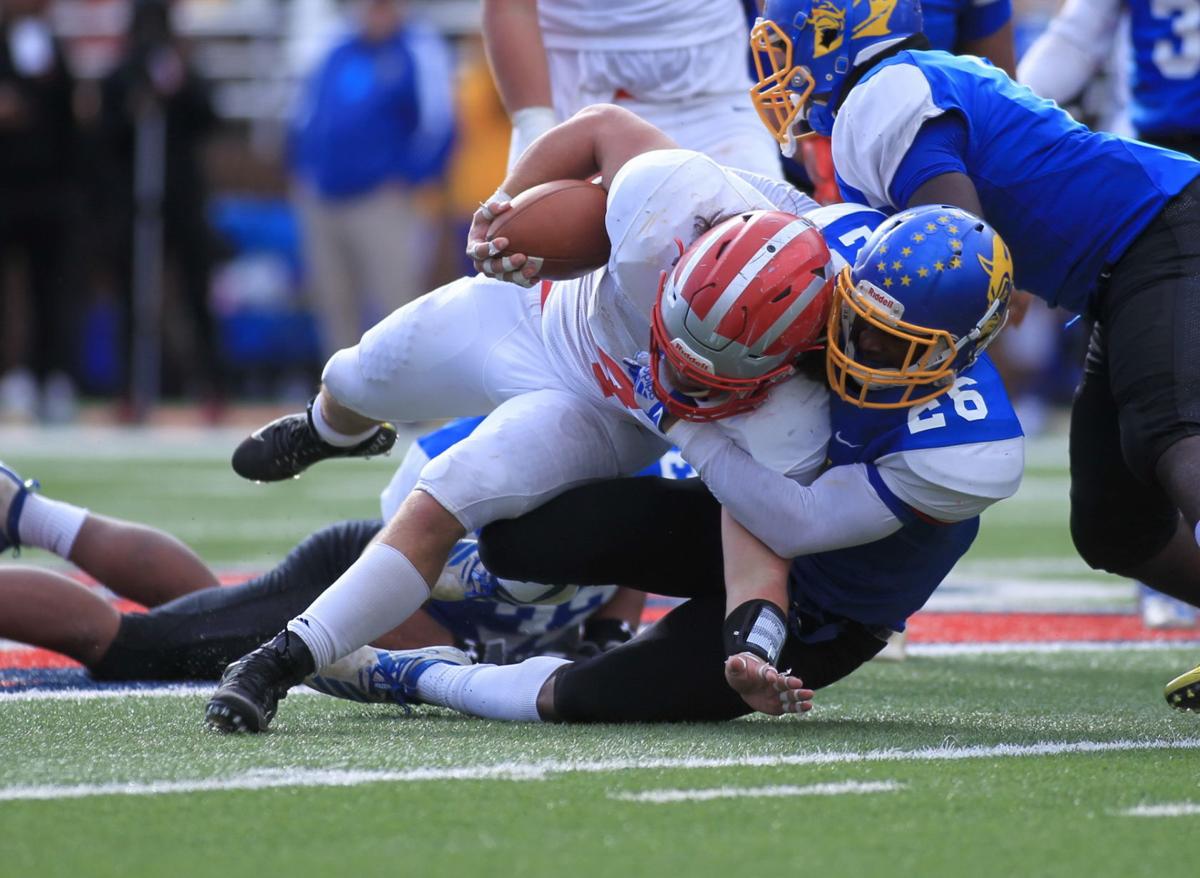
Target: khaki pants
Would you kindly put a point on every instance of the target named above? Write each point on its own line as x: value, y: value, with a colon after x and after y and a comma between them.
x: 365, y: 258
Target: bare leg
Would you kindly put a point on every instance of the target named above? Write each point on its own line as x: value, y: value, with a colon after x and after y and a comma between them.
x: 342, y: 419
x: 425, y: 532
x: 49, y: 610
x: 138, y: 562
x: 420, y: 629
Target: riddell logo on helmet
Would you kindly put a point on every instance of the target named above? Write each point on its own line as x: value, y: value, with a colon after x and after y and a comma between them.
x: 686, y: 354
x: 894, y: 308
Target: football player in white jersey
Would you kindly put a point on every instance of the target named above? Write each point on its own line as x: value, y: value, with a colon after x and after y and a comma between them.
x: 680, y: 66
x: 924, y: 440
x: 563, y: 372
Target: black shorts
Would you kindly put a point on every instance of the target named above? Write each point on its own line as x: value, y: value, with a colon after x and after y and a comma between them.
x: 1140, y: 392
x: 662, y: 536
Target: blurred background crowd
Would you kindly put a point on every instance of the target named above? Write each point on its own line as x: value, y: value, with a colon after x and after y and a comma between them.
x: 200, y: 200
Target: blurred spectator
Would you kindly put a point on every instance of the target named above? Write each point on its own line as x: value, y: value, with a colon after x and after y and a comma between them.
x: 37, y: 165
x: 1164, y: 77
x: 478, y: 162
x: 375, y: 121
x: 153, y: 81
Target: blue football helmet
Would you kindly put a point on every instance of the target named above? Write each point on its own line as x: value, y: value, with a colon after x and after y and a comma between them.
x: 932, y: 287
x: 805, y: 49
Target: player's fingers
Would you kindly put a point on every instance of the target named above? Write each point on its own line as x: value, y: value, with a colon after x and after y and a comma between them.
x: 496, y: 204
x: 735, y: 666
x: 533, y: 266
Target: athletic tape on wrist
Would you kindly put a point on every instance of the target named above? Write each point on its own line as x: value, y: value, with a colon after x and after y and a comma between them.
x: 758, y: 627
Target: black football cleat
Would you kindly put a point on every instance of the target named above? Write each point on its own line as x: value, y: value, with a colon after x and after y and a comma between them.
x: 252, y: 687
x: 289, y: 445
x: 1183, y: 692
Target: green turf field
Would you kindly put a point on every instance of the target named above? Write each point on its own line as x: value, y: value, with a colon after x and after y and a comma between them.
x: 1048, y: 763
x: 925, y: 768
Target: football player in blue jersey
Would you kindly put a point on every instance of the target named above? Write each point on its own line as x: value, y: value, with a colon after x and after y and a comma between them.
x: 972, y: 27
x: 1164, y: 83
x: 196, y: 627
x: 1104, y: 226
x: 924, y: 439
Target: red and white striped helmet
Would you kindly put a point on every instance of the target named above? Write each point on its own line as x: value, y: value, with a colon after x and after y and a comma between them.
x: 742, y: 303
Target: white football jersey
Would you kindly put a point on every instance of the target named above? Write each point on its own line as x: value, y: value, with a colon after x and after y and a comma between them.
x: 597, y: 328
x: 631, y: 25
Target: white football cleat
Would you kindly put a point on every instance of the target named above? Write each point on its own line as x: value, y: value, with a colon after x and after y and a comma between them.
x: 382, y: 676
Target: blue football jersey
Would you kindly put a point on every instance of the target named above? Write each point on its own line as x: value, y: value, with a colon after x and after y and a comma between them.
x: 526, y: 630
x: 949, y: 22
x: 881, y: 584
x: 845, y: 228
x: 1068, y: 201
x: 1165, y: 86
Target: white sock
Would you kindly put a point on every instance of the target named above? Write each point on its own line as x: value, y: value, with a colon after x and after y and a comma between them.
x: 50, y: 524
x: 507, y: 692
x: 332, y: 436
x: 378, y: 592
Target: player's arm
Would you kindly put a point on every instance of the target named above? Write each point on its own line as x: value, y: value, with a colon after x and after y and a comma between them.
x: 512, y: 38
x: 756, y: 623
x: 1069, y: 52
x: 840, y: 508
x: 986, y: 30
x: 596, y: 141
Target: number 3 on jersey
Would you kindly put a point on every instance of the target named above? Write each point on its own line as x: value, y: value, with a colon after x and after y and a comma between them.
x: 968, y: 405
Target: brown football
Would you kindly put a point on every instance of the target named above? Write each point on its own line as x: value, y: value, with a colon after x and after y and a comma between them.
x: 562, y: 222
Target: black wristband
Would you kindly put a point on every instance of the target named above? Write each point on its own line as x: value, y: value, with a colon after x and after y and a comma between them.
x: 758, y: 627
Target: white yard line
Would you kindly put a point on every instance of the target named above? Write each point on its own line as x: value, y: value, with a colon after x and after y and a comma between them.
x: 662, y: 797
x: 530, y: 771
x: 1176, y: 809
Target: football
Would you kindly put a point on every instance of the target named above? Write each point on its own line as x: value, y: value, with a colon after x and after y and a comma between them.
x: 509, y: 591
x: 561, y: 222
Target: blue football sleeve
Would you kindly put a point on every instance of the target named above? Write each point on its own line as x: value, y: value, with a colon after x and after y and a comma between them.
x: 938, y: 149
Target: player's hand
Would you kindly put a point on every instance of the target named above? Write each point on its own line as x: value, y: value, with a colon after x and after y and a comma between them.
x: 486, y: 255
x: 764, y: 688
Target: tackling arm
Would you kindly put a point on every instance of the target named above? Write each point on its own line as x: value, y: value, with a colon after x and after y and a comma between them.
x: 840, y: 509
x: 997, y: 47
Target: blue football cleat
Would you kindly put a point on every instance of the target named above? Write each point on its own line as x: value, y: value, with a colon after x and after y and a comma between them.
x: 13, y: 492
x: 379, y: 675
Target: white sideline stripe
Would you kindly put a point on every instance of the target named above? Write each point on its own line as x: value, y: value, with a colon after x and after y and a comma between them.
x: 940, y: 650
x: 1177, y: 809
x: 172, y: 690
x: 528, y: 771
x: 662, y: 797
